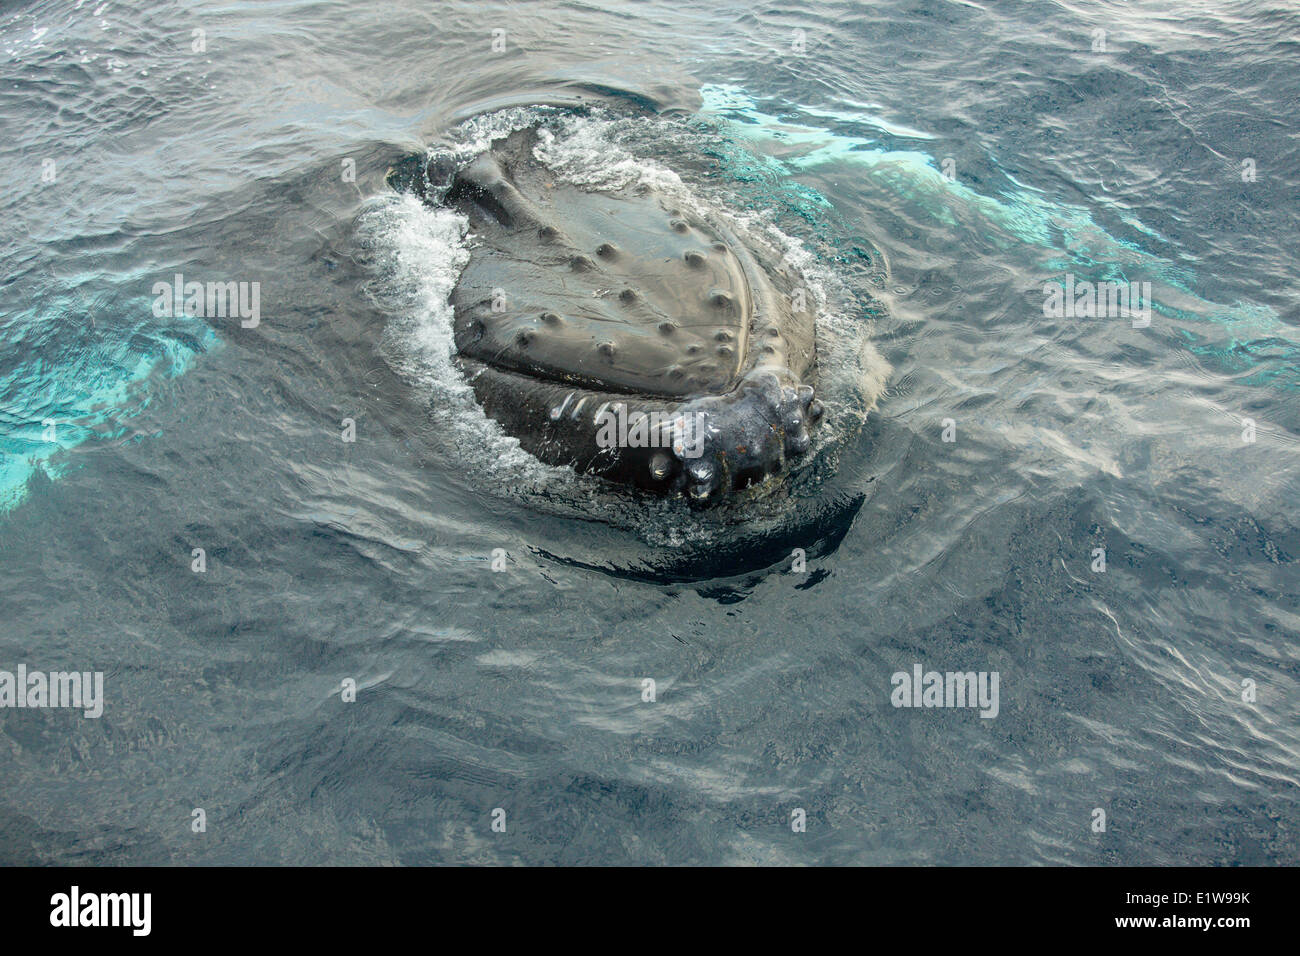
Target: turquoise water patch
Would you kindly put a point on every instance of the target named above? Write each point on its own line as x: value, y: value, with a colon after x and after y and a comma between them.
x: 77, y: 375
x: 1064, y: 238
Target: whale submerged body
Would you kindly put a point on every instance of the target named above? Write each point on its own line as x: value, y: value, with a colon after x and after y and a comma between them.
x: 624, y: 334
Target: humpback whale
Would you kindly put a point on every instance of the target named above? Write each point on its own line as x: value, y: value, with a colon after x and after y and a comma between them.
x: 622, y: 331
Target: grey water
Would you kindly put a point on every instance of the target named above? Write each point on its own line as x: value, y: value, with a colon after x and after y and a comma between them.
x: 342, y: 615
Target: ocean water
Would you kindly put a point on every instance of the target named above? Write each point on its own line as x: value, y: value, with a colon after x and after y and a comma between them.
x: 934, y: 167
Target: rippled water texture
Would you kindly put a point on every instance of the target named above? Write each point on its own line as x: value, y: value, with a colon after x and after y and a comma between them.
x: 932, y: 165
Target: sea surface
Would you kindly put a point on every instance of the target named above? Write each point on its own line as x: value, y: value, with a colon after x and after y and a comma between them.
x: 342, y: 618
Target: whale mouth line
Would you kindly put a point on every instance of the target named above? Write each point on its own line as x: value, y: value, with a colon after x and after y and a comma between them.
x: 707, y: 447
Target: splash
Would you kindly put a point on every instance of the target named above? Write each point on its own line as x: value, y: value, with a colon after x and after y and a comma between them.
x: 417, y: 253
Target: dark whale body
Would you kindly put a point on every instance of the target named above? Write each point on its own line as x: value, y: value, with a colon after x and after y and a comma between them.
x: 623, y: 335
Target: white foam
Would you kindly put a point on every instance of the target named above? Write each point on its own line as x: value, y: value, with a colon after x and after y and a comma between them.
x: 476, y: 135
x: 418, y: 253
x: 584, y: 154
